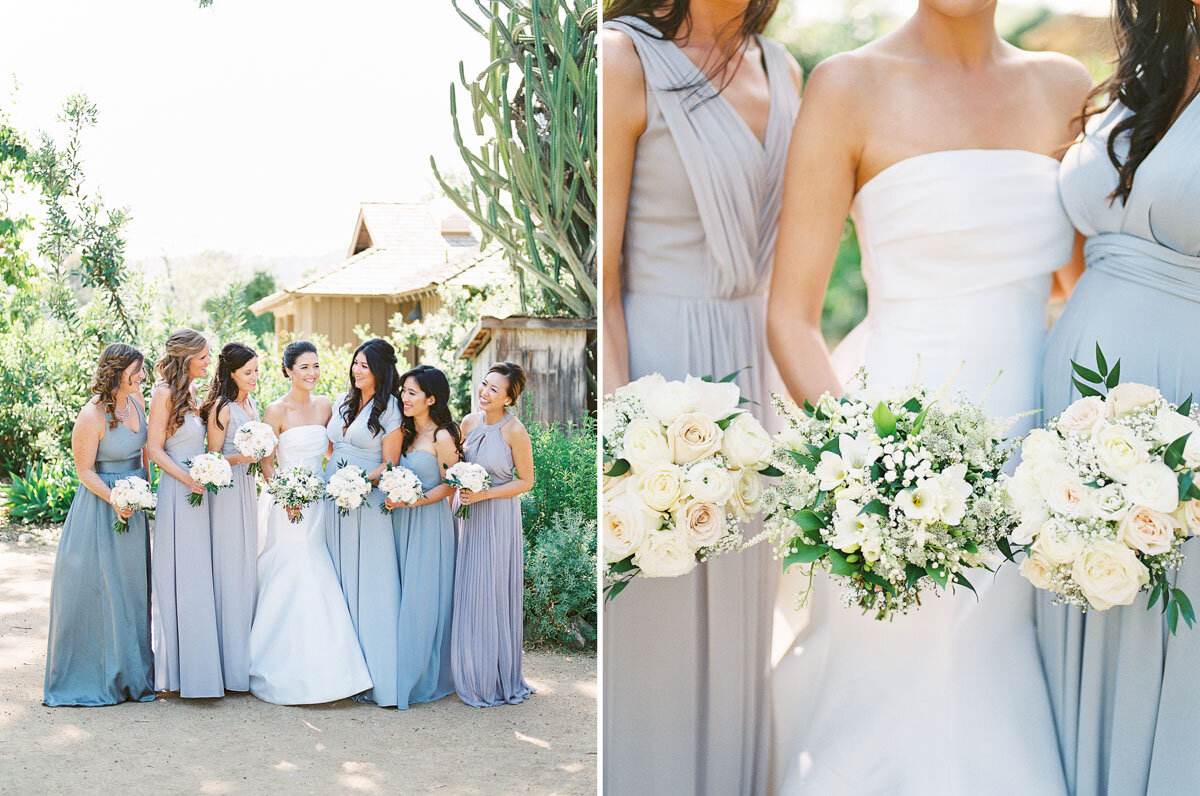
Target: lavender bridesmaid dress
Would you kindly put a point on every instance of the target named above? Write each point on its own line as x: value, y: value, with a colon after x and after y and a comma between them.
x: 489, y: 585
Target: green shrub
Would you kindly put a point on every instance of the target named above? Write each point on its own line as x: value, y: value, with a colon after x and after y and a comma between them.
x: 560, y: 582
x: 565, y: 457
x: 44, y: 494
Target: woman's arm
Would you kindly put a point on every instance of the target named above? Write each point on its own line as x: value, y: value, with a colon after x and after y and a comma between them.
x: 391, y: 452
x: 1066, y: 277
x: 819, y: 185
x: 218, y: 427
x: 273, y: 416
x: 160, y: 407
x: 624, y: 116
x: 89, y: 429
x: 447, y: 456
x: 522, y: 449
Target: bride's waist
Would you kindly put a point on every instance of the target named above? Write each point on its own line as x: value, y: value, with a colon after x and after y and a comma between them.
x: 1017, y: 312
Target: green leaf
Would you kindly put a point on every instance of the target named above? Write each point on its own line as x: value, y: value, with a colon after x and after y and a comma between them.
x: 875, y: 507
x: 1186, y: 407
x: 1087, y: 374
x: 913, y: 573
x: 939, y: 574
x: 1173, y: 616
x: 1173, y: 455
x: 1154, y: 595
x: 1100, y: 362
x: 807, y: 462
x: 912, y: 405
x: 724, y: 422
x: 808, y: 520
x: 624, y: 565
x: 1085, y: 390
x: 805, y: 554
x: 885, y: 421
x: 1005, y: 548
x: 961, y: 580
x: 875, y: 580
x: 620, y: 467
x: 839, y: 565
x: 809, y: 409
x: 771, y: 471
x: 616, y: 589
x: 1185, y: 484
x: 919, y: 423
x: 1114, y: 376
x: 1185, y: 606
x: 832, y: 446
x: 733, y: 375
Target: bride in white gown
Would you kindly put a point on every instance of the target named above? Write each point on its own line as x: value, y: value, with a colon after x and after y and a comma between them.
x: 955, y: 203
x: 303, y: 649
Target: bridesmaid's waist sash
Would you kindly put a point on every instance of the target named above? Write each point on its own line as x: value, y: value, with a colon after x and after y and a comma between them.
x: 1144, y: 262
x: 124, y: 466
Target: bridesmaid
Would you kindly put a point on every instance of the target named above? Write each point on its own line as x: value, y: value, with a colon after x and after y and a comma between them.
x: 99, y: 648
x: 1123, y: 689
x: 187, y: 656
x: 425, y: 538
x: 365, y: 431
x: 698, y: 108
x: 226, y: 408
x: 489, y: 571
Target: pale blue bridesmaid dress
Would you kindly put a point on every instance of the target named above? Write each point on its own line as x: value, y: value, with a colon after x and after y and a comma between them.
x: 235, y: 559
x: 363, y: 548
x: 187, y: 655
x: 99, y: 646
x: 1126, y: 694
x: 425, y: 549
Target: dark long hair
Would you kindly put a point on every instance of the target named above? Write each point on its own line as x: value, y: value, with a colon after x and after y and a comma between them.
x: 433, y: 383
x: 1154, y: 42
x: 223, y: 389
x: 673, y: 22
x: 381, y: 359
x: 292, y: 353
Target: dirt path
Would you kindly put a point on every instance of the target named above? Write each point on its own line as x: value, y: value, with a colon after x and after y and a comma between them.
x: 238, y: 744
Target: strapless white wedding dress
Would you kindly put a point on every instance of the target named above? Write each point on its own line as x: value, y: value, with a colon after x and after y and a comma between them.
x: 958, y: 248
x: 303, y: 649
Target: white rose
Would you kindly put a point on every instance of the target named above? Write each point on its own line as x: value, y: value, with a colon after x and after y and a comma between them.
x: 1066, y: 494
x: 710, y: 483
x: 1057, y: 545
x: 665, y: 554
x: 703, y: 524
x: 1040, y: 448
x: 1109, y: 502
x: 1148, y: 530
x: 922, y: 502
x: 747, y: 494
x: 1153, y: 485
x: 641, y: 388
x: 1118, y: 450
x: 1037, y: 570
x: 1191, y: 452
x: 660, y: 487
x: 715, y: 399
x: 746, y: 443
x: 693, y: 436
x: 831, y: 471
x: 1082, y: 415
x: 1125, y: 398
x: 1169, y: 426
x: 1024, y: 489
x: 670, y: 400
x: 1032, y: 520
x: 1110, y: 574
x: 644, y: 445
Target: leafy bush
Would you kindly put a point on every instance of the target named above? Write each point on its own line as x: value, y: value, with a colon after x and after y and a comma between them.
x: 560, y: 581
x: 565, y: 457
x: 44, y: 494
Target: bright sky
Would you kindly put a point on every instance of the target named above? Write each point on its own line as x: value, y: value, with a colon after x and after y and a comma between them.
x: 253, y: 126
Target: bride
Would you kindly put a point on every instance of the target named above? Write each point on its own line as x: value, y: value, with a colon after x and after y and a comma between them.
x: 939, y: 140
x: 302, y: 645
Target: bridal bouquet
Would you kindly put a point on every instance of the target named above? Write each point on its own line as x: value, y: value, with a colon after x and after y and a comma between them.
x: 347, y: 488
x: 131, y: 493
x: 684, y: 463
x: 256, y: 440
x: 467, y: 475
x: 1107, y: 494
x: 213, y: 472
x: 400, y: 485
x: 297, y: 488
x: 891, y: 493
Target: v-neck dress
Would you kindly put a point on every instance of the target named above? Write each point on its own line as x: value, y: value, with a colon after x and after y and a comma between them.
x: 686, y: 660
x: 1124, y: 691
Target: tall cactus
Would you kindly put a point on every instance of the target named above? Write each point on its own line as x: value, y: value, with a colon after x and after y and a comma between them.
x: 533, y: 181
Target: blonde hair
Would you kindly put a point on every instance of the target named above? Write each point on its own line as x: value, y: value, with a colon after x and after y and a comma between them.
x: 111, y: 366
x: 183, y: 346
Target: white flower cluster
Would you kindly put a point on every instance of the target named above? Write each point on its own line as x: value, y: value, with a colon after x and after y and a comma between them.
x: 400, y: 485
x: 1099, y: 495
x: 891, y: 492
x: 256, y: 440
x: 348, y: 488
x: 213, y: 472
x: 131, y: 493
x: 297, y: 488
x: 470, y: 476
x: 685, y: 463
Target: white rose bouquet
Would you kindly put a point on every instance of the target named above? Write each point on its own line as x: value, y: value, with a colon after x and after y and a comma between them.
x: 467, y: 475
x: 347, y: 488
x: 297, y: 488
x: 684, y: 464
x: 892, y: 493
x: 131, y: 493
x: 213, y: 472
x: 256, y: 440
x: 400, y: 485
x: 1107, y: 495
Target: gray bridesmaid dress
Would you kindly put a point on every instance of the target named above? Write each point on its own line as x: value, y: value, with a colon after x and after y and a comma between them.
x: 99, y: 646
x: 235, y: 559
x: 425, y: 551
x: 187, y: 655
x: 686, y: 660
x: 489, y: 584
x: 1125, y: 693
x: 363, y: 548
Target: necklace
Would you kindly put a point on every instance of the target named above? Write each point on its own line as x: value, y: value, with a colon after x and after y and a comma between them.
x: 122, y: 413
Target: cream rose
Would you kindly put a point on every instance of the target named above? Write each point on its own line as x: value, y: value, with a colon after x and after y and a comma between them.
x: 693, y: 436
x: 1148, y: 530
x: 1040, y: 449
x: 1189, y: 515
x: 669, y: 400
x: 1032, y: 520
x: 644, y: 445
x: 1057, y: 545
x: 710, y: 483
x: 1024, y: 489
x: 1082, y: 415
x: 665, y: 554
x: 1037, y: 570
x: 1109, y: 502
x: 703, y: 524
x: 747, y: 494
x: 1169, y: 426
x: 626, y: 521
x: 1191, y: 452
x: 1109, y: 574
x: 1066, y: 494
x: 660, y: 487
x: 1125, y: 398
x: 715, y: 399
x: 746, y: 443
x: 1118, y: 450
x: 1154, y: 485
x: 640, y: 388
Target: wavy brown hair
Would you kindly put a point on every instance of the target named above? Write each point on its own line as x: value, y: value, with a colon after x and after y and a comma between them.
x: 183, y: 346
x: 223, y: 389
x: 1154, y: 43
x: 110, y: 368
